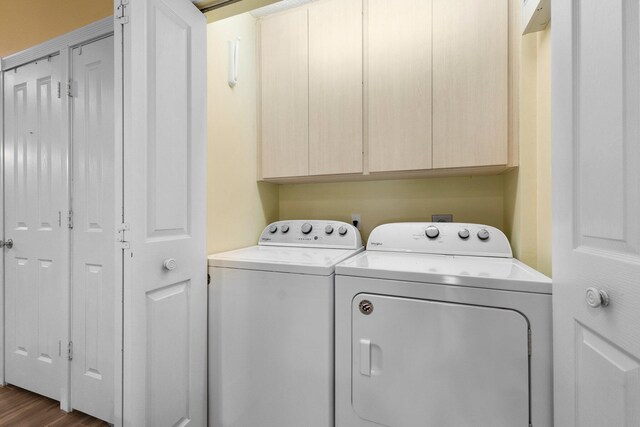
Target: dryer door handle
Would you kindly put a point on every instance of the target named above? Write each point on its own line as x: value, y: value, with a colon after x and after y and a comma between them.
x: 365, y: 357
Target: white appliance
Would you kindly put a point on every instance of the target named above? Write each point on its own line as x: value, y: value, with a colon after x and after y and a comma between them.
x: 271, y: 330
x: 438, y: 325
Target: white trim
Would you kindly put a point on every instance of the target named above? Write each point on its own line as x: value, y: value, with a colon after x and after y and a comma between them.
x: 118, y: 177
x: 2, y: 382
x: 82, y: 35
x: 65, y: 133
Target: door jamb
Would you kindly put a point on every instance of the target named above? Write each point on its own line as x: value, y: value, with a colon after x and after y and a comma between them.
x: 2, y: 381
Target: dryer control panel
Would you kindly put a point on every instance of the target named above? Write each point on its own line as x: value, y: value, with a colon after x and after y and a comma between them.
x: 311, y: 233
x: 445, y: 238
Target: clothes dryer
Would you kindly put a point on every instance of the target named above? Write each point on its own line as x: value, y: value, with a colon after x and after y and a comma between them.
x: 438, y: 325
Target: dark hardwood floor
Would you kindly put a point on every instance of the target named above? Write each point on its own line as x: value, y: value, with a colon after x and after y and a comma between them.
x: 21, y: 408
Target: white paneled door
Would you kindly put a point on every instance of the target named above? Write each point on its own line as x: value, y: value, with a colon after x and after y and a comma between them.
x: 596, y: 186
x: 94, y: 285
x: 36, y: 201
x: 163, y: 58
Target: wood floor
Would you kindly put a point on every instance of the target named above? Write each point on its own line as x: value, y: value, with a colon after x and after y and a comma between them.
x: 21, y: 408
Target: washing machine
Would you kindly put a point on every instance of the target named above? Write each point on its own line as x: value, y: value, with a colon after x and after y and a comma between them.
x: 271, y: 326
x: 437, y: 325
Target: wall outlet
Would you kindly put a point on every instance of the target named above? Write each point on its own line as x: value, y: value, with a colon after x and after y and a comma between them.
x: 356, y: 220
x: 442, y: 218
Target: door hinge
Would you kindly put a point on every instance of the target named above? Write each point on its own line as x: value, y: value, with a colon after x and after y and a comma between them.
x: 59, y: 90
x: 70, y: 350
x: 71, y: 85
x: 122, y: 228
x: 70, y: 220
x: 529, y: 341
x: 121, y: 12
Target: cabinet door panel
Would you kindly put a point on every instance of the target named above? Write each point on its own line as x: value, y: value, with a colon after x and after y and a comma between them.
x: 335, y: 87
x: 398, y: 84
x: 284, y: 76
x: 470, y: 82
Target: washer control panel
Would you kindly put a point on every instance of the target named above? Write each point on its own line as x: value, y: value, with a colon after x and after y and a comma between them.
x: 311, y: 233
x: 445, y: 238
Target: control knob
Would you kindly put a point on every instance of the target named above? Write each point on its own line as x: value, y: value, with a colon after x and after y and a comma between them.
x: 483, y: 234
x: 306, y: 228
x: 273, y: 228
x: 463, y: 233
x: 342, y: 230
x: 432, y: 232
x: 284, y: 228
x: 328, y: 229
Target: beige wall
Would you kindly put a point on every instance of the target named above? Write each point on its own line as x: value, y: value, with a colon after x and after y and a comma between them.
x: 528, y: 189
x: 238, y: 206
x: 518, y: 202
x: 26, y: 23
x: 469, y: 199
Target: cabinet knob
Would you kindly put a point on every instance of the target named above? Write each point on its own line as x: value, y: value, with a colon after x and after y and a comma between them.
x: 597, y: 298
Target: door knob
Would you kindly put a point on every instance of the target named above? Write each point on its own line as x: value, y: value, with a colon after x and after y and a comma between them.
x: 6, y: 243
x: 596, y: 298
x: 169, y: 264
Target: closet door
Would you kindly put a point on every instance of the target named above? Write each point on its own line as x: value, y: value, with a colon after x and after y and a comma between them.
x: 335, y: 87
x: 165, y: 266
x: 470, y: 83
x: 93, y: 271
x: 36, y: 204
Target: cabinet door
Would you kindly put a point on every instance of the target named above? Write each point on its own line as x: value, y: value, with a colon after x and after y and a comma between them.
x: 398, y: 84
x: 335, y: 87
x: 284, y: 77
x: 470, y: 78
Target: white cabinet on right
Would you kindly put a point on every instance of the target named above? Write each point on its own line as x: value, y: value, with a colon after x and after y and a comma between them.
x: 470, y: 83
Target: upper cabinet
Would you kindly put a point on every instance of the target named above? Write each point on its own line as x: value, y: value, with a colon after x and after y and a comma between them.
x: 470, y: 83
x: 335, y: 87
x: 398, y: 85
x: 387, y: 88
x: 284, y: 94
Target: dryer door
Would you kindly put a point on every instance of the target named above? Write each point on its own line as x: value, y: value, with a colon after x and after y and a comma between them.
x: 429, y: 363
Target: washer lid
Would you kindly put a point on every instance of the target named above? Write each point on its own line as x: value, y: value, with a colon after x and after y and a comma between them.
x: 315, y: 261
x: 478, y: 272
